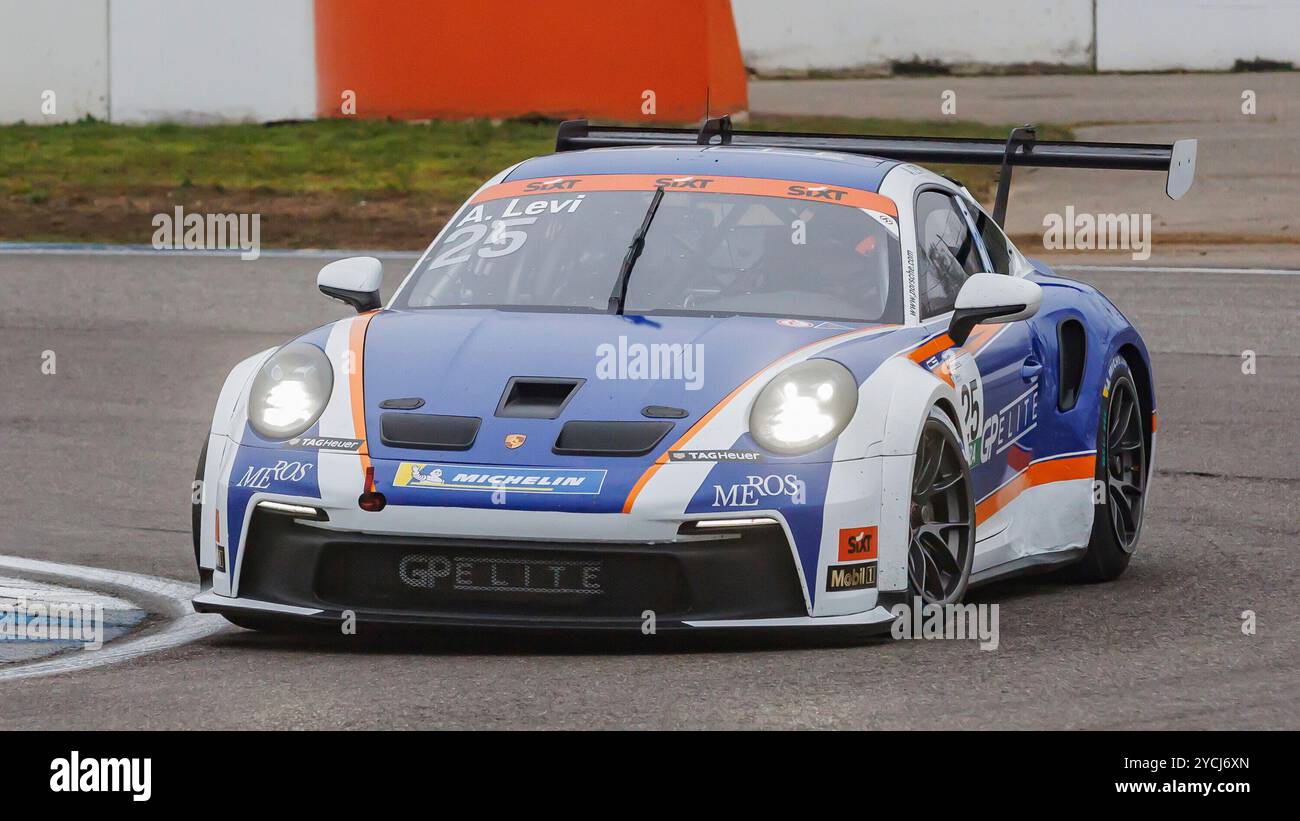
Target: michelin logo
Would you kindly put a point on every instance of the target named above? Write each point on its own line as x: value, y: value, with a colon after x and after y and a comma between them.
x: 490, y: 478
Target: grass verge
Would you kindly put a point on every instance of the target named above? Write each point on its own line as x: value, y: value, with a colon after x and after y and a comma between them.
x: 332, y: 183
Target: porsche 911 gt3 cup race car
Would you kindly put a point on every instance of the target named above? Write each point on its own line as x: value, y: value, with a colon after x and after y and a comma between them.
x: 722, y: 378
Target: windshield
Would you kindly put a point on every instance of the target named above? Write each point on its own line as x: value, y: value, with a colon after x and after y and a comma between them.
x: 716, y: 246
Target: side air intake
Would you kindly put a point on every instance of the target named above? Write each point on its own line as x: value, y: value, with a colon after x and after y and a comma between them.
x: 425, y: 431
x: 610, y: 438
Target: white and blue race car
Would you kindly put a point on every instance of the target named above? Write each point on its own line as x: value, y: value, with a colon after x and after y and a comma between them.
x: 717, y: 379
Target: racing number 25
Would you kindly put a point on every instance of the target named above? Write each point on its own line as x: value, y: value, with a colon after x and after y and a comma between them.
x: 970, y: 409
x: 501, y: 240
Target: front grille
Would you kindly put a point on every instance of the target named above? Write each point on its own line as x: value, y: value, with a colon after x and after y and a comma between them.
x: 743, y: 573
x: 584, y: 438
x: 519, y: 580
x: 428, y: 431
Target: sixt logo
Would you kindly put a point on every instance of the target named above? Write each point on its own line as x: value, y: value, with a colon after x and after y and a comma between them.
x: 816, y: 192
x: 695, y: 183
x: 858, y: 544
x: 558, y: 184
x: 283, y: 471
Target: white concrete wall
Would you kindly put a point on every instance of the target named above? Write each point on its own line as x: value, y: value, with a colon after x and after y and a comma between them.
x: 1159, y: 35
x: 212, y: 60
x: 53, y: 45
x: 224, y: 60
x: 780, y: 36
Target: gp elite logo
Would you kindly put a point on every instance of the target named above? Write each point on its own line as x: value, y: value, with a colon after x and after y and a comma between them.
x: 1007, y: 427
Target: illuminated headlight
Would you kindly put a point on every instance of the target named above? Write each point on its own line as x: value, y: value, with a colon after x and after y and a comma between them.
x: 804, y: 407
x: 290, y: 391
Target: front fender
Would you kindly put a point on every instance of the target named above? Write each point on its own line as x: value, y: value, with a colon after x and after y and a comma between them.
x: 225, y: 419
x: 899, y: 395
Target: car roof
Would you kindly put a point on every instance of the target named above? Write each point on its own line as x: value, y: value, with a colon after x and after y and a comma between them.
x: 822, y: 167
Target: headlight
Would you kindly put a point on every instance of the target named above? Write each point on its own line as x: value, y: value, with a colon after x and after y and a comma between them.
x: 804, y: 407
x: 290, y: 391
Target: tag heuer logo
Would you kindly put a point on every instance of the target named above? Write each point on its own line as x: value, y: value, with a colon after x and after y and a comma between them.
x: 514, y: 440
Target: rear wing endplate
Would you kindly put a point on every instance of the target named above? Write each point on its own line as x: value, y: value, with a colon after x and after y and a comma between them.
x: 1022, y: 148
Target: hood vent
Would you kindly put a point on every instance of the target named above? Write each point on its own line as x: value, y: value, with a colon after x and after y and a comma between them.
x: 536, y: 397
x: 610, y: 438
x: 425, y: 431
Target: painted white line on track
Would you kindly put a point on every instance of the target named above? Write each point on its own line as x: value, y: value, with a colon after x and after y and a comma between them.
x: 14, y: 588
x: 184, y: 624
x: 1168, y: 269
x: 106, y: 250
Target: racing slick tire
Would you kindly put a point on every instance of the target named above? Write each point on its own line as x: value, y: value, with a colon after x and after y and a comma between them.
x: 941, y: 544
x: 1120, y: 487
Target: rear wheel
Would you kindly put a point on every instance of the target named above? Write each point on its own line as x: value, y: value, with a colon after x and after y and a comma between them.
x: 941, y: 548
x: 1120, y: 487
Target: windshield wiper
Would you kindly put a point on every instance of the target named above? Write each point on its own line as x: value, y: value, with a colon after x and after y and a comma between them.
x: 619, y: 296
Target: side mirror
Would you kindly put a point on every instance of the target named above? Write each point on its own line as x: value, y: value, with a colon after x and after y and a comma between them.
x: 993, y: 298
x: 354, y: 280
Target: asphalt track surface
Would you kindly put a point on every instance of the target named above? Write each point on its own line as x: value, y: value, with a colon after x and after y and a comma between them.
x: 97, y: 461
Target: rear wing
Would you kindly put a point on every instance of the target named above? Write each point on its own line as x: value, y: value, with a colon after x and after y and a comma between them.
x: 1021, y: 148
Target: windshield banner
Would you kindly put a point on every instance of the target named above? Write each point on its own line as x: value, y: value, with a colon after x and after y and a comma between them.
x: 789, y: 189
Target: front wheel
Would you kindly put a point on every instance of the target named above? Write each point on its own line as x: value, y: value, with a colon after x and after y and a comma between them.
x: 941, y: 549
x: 1119, y: 489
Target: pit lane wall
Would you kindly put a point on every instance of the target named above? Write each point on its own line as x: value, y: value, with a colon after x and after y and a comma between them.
x: 199, y: 61
x: 250, y: 60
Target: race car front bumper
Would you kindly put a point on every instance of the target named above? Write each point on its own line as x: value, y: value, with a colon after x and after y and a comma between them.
x: 294, y: 569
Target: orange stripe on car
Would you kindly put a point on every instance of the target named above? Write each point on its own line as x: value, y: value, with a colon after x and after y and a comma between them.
x: 356, y: 385
x: 691, y: 184
x: 1039, y: 473
x: 925, y: 350
x: 978, y: 338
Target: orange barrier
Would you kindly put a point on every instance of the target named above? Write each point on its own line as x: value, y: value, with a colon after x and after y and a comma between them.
x: 453, y: 59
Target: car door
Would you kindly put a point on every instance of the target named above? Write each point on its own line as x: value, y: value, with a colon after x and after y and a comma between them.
x: 995, y: 372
